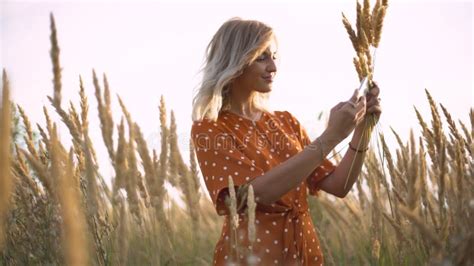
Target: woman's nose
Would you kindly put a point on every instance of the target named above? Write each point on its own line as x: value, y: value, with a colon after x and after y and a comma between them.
x: 271, y: 67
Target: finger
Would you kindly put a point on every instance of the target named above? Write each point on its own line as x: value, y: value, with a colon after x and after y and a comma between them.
x: 351, y: 105
x: 369, y: 97
x: 376, y: 109
x: 360, y: 115
x: 361, y: 104
x: 355, y: 96
x: 374, y: 84
x: 360, y: 109
x: 371, y: 101
x: 338, y: 106
x: 360, y: 119
x: 374, y: 90
x: 376, y: 115
x: 348, y: 105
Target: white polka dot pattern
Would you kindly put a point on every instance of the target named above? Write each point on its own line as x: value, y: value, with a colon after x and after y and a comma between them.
x: 285, y: 233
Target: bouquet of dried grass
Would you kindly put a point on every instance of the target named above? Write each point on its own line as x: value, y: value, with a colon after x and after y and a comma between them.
x: 365, y: 40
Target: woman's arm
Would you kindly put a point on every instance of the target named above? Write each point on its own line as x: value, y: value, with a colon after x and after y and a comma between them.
x: 344, y: 117
x: 351, y: 164
x: 269, y: 187
x: 334, y: 183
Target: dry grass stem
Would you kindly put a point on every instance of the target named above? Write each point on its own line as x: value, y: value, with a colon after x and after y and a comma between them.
x: 6, y: 179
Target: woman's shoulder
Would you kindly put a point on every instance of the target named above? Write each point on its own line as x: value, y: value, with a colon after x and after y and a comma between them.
x: 285, y: 114
x: 208, y: 126
x: 204, y: 124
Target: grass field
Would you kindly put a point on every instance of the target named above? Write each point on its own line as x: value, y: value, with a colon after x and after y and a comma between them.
x: 411, y: 206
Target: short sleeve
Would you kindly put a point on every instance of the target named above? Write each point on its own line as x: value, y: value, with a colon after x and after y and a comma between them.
x: 219, y: 157
x: 322, y: 171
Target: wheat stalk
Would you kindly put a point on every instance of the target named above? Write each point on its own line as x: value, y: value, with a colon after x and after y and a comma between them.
x: 135, y: 178
x: 164, y: 139
x: 6, y: 179
x: 424, y: 230
x: 56, y: 100
x: 122, y: 237
x: 120, y: 165
x: 231, y: 203
x: 192, y: 179
x: 105, y: 114
x: 163, y: 161
x: 29, y: 133
x: 75, y: 240
x: 251, y: 214
x: 175, y: 163
x: 142, y: 148
x: 23, y: 171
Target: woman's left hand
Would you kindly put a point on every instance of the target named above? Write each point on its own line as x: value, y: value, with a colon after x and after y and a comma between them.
x: 373, y: 102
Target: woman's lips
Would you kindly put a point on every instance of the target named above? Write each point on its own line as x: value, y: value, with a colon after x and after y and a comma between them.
x: 268, y: 79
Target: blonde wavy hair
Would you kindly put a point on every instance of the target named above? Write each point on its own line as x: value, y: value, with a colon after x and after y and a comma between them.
x: 234, y: 46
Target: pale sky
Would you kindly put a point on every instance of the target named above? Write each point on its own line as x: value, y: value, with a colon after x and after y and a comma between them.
x: 149, y: 49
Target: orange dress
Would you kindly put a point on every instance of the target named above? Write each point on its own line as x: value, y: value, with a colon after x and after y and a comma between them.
x: 244, y: 149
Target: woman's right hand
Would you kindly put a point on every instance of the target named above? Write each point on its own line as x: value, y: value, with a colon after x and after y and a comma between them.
x: 345, y: 116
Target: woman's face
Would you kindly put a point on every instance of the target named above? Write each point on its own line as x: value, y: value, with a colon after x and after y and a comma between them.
x: 258, y: 76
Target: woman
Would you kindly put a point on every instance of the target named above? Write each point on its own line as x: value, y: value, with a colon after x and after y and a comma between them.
x: 236, y: 136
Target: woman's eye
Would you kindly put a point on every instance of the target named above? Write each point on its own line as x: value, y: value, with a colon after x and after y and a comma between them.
x: 263, y: 57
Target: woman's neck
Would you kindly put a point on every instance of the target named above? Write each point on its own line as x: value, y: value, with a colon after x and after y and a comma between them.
x: 242, y: 105
x: 245, y: 109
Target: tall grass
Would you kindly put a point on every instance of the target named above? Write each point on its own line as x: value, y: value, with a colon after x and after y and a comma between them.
x: 6, y: 179
x: 415, y: 208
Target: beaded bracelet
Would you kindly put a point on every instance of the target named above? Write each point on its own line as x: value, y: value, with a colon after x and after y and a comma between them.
x: 356, y: 150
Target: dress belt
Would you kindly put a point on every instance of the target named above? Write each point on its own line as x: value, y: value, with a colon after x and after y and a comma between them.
x: 293, y: 240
